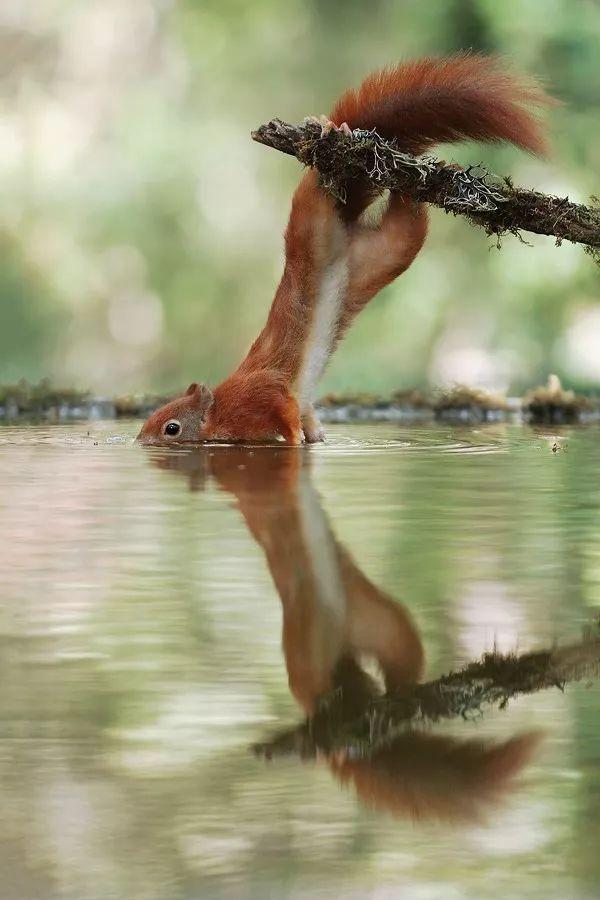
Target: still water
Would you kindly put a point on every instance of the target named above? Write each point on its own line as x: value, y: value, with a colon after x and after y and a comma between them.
x: 163, y: 612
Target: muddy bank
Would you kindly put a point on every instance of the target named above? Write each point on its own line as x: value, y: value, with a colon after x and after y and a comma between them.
x: 548, y: 404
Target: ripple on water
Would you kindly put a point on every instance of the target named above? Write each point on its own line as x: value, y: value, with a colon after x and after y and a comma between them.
x: 141, y: 655
x: 341, y: 439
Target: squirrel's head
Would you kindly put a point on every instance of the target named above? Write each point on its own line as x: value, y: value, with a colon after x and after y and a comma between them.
x: 180, y: 422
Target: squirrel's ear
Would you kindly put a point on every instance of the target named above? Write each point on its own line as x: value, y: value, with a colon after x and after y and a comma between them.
x: 202, y: 394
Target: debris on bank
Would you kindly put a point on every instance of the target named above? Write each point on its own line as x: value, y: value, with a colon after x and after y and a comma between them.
x: 138, y: 406
x: 464, y: 404
x: 401, y: 406
x: 24, y: 401
x: 45, y: 402
x: 551, y: 404
x: 548, y: 405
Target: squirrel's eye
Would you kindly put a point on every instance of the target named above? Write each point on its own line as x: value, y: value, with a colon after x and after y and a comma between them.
x: 172, y: 428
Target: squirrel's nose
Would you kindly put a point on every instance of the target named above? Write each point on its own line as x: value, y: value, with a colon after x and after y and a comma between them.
x: 145, y: 437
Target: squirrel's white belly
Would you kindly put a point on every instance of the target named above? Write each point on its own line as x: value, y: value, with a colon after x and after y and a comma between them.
x: 328, y: 306
x: 321, y: 549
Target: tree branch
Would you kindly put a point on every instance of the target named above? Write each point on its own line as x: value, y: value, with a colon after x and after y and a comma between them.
x: 492, y: 681
x: 485, y: 199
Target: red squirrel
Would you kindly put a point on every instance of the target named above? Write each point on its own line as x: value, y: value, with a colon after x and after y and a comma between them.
x: 335, y: 262
x: 334, y: 617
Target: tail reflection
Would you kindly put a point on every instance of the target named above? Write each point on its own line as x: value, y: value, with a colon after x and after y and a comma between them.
x: 333, y: 616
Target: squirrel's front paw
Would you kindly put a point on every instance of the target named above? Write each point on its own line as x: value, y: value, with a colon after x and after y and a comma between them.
x: 314, y: 432
x: 327, y: 125
x: 314, y: 437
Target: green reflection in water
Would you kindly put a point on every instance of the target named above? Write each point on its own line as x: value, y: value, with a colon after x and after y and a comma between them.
x: 140, y: 634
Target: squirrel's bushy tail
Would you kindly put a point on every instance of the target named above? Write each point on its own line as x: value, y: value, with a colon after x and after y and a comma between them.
x: 461, y: 97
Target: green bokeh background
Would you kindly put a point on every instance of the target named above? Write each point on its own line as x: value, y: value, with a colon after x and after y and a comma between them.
x: 141, y: 228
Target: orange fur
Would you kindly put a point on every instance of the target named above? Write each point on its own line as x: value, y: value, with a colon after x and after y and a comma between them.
x: 419, y: 774
x: 334, y: 264
x: 281, y: 509
x: 254, y: 406
x: 429, y: 101
x: 430, y: 776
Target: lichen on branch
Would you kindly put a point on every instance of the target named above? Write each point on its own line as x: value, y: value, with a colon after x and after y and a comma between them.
x: 492, y: 681
x: 487, y: 200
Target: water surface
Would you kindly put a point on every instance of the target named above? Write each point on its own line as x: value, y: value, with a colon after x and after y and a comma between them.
x: 143, y: 601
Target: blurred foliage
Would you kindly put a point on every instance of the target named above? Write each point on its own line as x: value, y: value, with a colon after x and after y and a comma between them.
x: 141, y: 228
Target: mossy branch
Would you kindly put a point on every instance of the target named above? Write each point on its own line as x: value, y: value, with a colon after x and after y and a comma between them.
x: 491, y: 681
x: 485, y: 199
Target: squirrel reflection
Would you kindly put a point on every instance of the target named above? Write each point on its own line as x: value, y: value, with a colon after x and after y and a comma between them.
x: 333, y: 615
